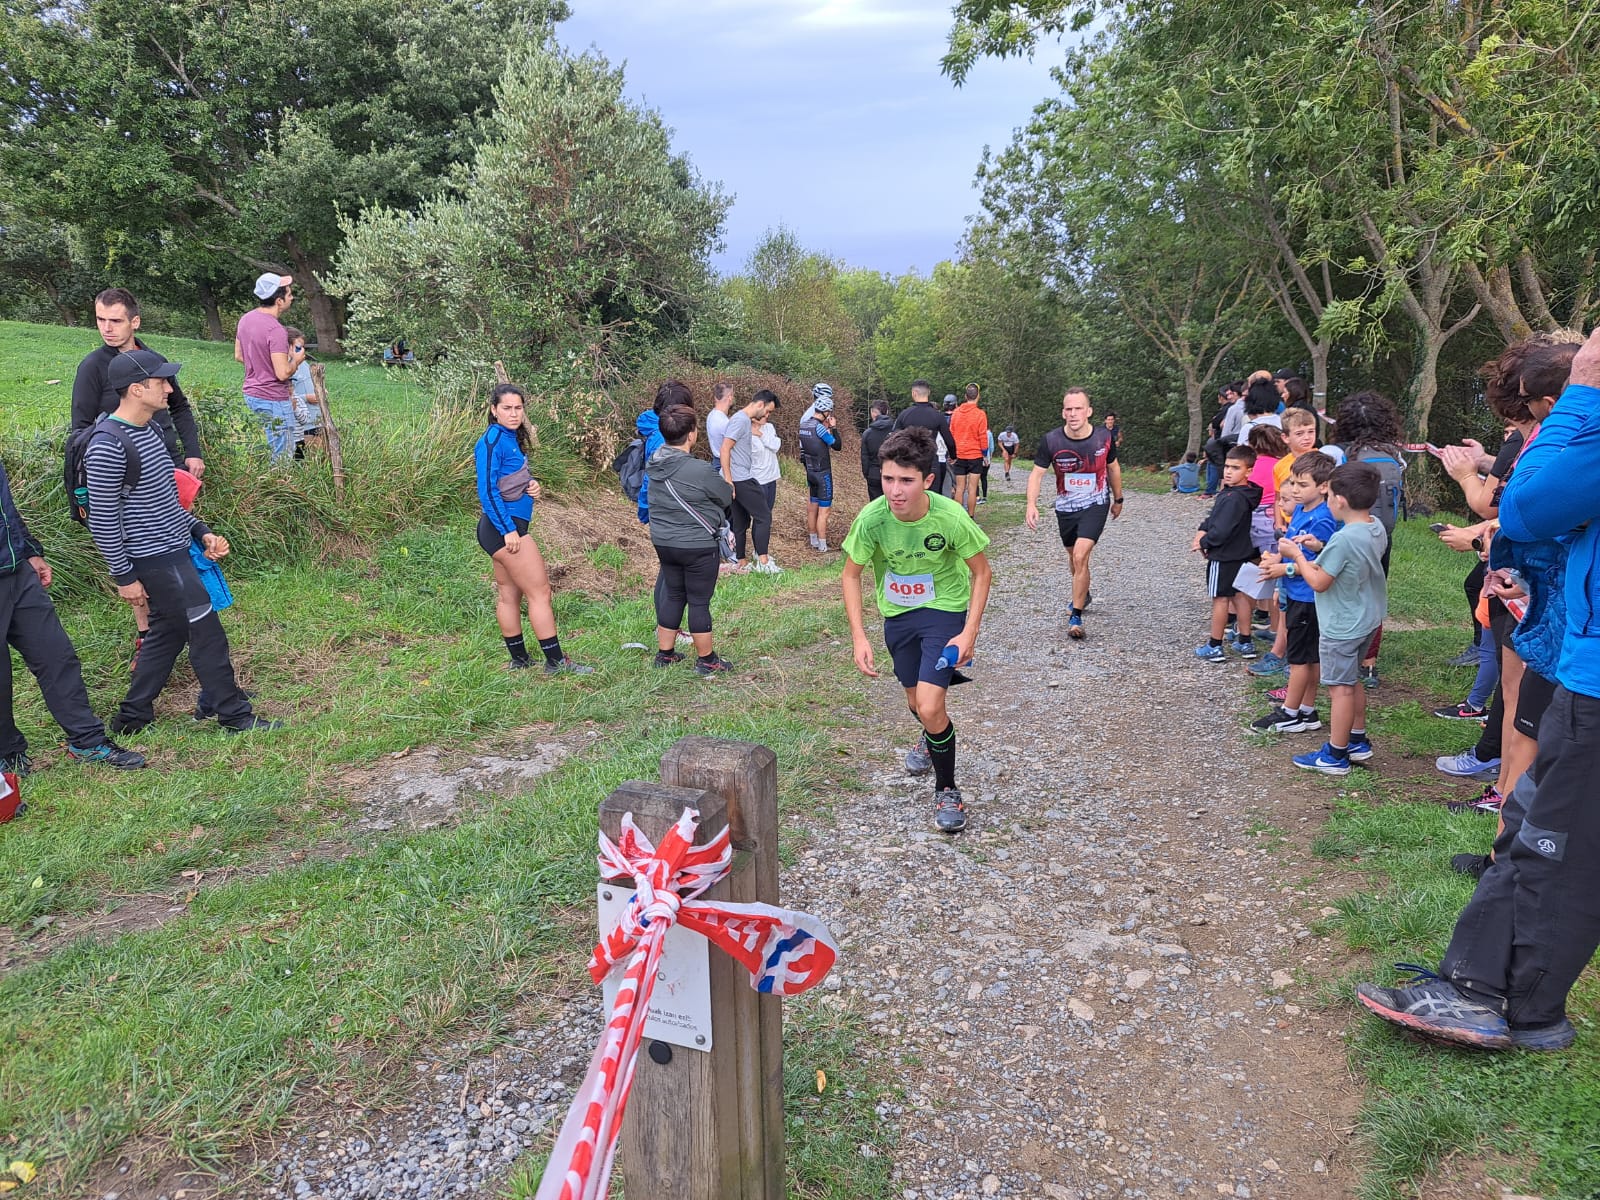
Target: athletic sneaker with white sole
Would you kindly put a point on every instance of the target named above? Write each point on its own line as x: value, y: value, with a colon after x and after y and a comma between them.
x: 1327, y: 761
x: 1467, y: 764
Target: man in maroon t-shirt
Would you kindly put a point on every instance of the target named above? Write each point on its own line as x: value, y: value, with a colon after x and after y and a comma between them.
x: 262, y: 345
x: 1088, y: 489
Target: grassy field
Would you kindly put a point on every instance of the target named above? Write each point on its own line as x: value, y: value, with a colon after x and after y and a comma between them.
x: 1536, y: 1118
x: 38, y: 363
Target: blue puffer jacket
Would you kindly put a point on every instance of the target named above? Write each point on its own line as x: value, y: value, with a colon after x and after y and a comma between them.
x: 648, y: 426
x: 1553, y: 495
x: 1538, y: 636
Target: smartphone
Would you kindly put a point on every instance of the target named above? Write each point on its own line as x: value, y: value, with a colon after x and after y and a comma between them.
x: 1438, y: 527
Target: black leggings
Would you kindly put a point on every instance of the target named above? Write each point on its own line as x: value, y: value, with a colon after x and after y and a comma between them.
x: 983, y: 482
x: 687, y: 579
x: 752, y: 513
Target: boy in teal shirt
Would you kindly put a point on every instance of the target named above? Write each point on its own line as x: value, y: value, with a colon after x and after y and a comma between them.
x: 1352, y: 600
x: 932, y: 583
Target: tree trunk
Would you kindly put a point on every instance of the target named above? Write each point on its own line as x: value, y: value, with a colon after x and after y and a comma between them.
x: 208, y: 302
x: 324, y: 308
x: 1319, y: 374
x: 1192, y: 397
x: 1425, y: 382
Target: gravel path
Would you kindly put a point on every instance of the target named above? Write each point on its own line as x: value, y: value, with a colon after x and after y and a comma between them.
x: 1098, y: 990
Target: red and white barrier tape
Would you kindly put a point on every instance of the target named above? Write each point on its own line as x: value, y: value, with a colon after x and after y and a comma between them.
x: 785, y: 952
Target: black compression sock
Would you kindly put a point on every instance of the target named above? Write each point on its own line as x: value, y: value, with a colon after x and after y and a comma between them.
x: 551, y: 649
x: 1214, y: 642
x: 517, y: 649
x: 942, y: 749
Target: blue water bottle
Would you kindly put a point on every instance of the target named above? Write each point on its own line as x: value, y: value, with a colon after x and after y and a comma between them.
x: 947, y: 660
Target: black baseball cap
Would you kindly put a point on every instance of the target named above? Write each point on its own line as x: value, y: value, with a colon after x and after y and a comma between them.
x: 136, y: 366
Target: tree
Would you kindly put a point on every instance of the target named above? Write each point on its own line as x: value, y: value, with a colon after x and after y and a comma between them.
x: 39, y: 255
x: 160, y: 129
x: 907, y: 344
x: 791, y: 298
x: 544, y: 252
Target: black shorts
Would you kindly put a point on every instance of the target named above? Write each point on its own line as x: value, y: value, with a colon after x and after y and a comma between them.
x: 1010, y: 451
x: 1220, y: 576
x: 1533, y: 697
x: 819, y: 488
x: 1087, y: 523
x: 1300, y: 624
x: 917, y: 639
x: 969, y: 466
x: 491, y: 539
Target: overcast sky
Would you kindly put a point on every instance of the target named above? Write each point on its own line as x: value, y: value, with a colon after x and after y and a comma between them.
x: 829, y: 116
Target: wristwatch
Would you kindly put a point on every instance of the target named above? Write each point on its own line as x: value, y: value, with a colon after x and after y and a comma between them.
x: 1116, y: 499
x: 1290, y: 569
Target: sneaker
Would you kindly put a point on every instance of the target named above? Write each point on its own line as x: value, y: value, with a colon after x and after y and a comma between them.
x: 254, y: 723
x: 666, y: 658
x: 812, y: 539
x: 18, y: 764
x: 949, y: 813
x: 1270, y: 664
x: 1261, y: 620
x: 204, y: 712
x: 1246, y: 648
x: 822, y: 546
x: 770, y: 567
x: 1437, y: 1009
x: 1325, y: 760
x: 567, y: 667
x: 918, y: 760
x: 108, y: 753
x: 1304, y: 722
x: 1209, y: 653
x: 1369, y: 677
x: 1279, y: 695
x: 1275, y: 721
x: 1468, y: 765
x: 1461, y: 712
x: 1547, y: 1037
x: 1467, y: 658
x: 1489, y: 800
x: 1075, y: 627
x: 1470, y: 864
x: 516, y: 664
x: 683, y: 638
x: 717, y: 666
x: 1360, y: 748
x: 983, y: 499
x: 1088, y: 599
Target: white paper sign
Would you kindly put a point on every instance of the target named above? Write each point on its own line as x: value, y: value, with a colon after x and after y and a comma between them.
x: 680, y: 1005
x: 1250, y: 582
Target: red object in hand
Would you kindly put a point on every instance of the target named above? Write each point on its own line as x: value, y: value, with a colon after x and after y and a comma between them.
x: 11, y: 805
x: 188, y: 486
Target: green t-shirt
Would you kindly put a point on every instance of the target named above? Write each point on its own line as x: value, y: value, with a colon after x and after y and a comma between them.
x: 1358, y: 600
x: 917, y: 564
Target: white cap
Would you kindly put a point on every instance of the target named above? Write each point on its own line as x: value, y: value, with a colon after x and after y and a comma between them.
x: 269, y: 283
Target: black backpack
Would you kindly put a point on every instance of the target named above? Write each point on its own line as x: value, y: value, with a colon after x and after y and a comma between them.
x: 629, y: 466
x: 1391, y: 467
x: 76, y: 479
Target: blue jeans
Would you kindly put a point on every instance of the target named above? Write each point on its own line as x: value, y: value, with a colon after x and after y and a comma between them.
x: 1488, y: 672
x: 1213, y: 477
x: 277, y: 419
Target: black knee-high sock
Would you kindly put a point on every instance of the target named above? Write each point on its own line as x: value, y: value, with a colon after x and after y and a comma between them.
x: 942, y: 749
x: 551, y: 648
x: 517, y: 649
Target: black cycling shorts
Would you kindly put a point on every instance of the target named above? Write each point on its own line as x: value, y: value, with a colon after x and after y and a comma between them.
x: 491, y: 539
x: 1533, y: 697
x: 819, y: 487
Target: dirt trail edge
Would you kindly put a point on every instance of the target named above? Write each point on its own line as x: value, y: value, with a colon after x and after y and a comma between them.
x: 1100, y: 988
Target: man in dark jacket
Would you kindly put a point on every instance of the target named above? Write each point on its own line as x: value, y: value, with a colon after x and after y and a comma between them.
x: 872, y: 436
x: 1224, y: 540
x: 29, y: 622
x: 922, y: 413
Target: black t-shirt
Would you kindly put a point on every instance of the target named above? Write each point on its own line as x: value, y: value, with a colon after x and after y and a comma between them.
x: 930, y: 418
x: 1080, y: 466
x: 1504, y: 463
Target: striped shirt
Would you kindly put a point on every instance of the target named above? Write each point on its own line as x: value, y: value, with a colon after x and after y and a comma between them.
x: 144, y: 522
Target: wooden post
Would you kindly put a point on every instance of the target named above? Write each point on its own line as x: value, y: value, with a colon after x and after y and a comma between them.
x: 501, y: 376
x: 708, y: 1125
x: 330, y: 430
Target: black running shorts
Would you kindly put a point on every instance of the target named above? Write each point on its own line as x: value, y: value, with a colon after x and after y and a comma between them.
x: 491, y: 539
x: 1300, y: 624
x: 1087, y: 523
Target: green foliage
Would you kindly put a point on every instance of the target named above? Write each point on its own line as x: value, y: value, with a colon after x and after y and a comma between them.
x: 573, y: 240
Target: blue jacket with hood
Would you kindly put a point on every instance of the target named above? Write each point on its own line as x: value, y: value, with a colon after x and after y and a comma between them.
x: 1553, y: 495
x: 648, y: 426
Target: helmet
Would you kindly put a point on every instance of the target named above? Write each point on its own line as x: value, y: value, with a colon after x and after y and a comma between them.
x: 822, y: 392
x: 822, y: 404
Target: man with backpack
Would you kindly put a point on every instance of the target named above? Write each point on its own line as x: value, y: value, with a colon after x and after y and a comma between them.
x: 144, y: 534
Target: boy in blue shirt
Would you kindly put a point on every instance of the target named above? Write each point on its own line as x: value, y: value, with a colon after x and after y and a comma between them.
x: 1352, y: 598
x: 1186, y: 475
x: 1310, y: 526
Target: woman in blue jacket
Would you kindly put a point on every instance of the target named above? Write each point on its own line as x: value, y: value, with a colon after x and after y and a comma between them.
x: 506, y: 492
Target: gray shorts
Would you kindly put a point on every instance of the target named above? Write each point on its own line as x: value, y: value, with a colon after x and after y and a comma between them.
x: 1341, y: 659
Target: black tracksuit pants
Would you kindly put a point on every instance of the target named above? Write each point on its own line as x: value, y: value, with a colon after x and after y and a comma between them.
x: 34, y: 630
x: 180, y: 614
x: 1533, y: 923
x: 752, y: 514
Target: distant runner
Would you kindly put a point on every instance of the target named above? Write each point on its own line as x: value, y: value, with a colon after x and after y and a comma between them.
x: 931, y: 585
x: 1088, y: 488
x: 1009, y: 441
x: 819, y: 434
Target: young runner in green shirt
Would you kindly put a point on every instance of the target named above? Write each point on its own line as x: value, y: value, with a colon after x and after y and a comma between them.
x: 931, y: 585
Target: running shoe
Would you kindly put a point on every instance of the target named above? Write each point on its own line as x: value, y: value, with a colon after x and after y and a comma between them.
x: 949, y: 813
x: 1369, y: 677
x: 1274, y: 721
x: 1461, y: 712
x: 1467, y: 658
x: 918, y: 761
x: 822, y: 546
x: 18, y: 764
x: 1209, y: 653
x: 1246, y: 648
x: 1437, y: 1009
x: 812, y: 538
x: 1303, y: 722
x: 1075, y: 627
x: 1279, y: 694
x: 1261, y: 619
x: 1468, y: 765
x: 1546, y: 1037
x: 666, y: 658
x: 516, y: 664
x: 1489, y: 800
x: 1327, y: 761
x: 204, y: 712
x: 565, y: 666
x: 1360, y: 748
x: 107, y: 753
x: 983, y: 499
x: 684, y: 637
x: 717, y: 666
x: 254, y: 723
x: 1270, y: 664
x: 770, y: 567
x: 1470, y: 864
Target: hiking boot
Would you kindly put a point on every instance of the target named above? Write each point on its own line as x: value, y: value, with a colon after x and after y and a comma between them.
x: 1467, y: 658
x: 1360, y: 749
x: 1546, y: 1037
x: 1437, y: 1009
x: 1210, y: 653
x: 949, y: 813
x: 1461, y: 712
x: 1275, y: 721
x: 918, y: 760
x: 254, y: 723
x: 1369, y: 677
x: 18, y: 764
x: 567, y: 667
x: 1327, y: 760
x: 109, y: 754
x: 1470, y: 864
x: 1270, y: 664
x: 1075, y: 627
x: 666, y: 658
x: 1246, y: 648
x: 204, y: 712
x: 1468, y: 765
x: 717, y: 666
